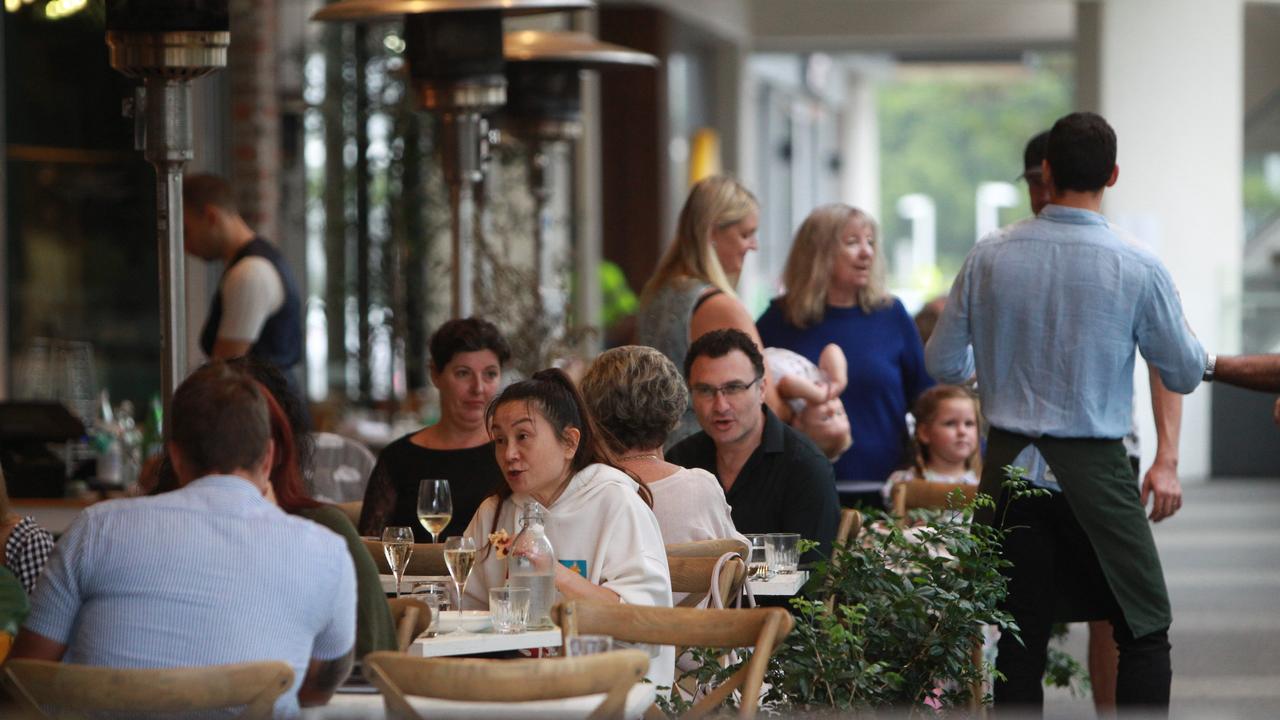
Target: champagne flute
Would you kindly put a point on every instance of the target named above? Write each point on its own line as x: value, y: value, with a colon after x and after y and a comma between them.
x: 397, y: 545
x: 460, y: 557
x: 435, y: 506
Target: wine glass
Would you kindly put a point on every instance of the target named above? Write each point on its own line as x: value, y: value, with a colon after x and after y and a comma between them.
x: 397, y: 545
x: 460, y: 557
x: 435, y: 506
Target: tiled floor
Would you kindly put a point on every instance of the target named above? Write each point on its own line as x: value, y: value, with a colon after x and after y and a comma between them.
x: 1221, y: 557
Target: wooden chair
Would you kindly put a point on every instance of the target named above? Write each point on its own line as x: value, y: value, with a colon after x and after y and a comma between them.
x: 761, y: 628
x: 505, y: 681
x: 83, y: 689
x: 412, y: 618
x: 915, y: 494
x: 708, y: 548
x: 693, y: 575
x: 427, y: 558
x: 849, y: 527
x: 351, y: 510
x: 908, y: 496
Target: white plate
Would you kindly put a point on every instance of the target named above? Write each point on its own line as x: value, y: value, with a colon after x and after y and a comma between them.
x: 470, y: 621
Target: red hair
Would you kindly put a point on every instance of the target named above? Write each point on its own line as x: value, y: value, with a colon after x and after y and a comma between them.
x: 286, y: 475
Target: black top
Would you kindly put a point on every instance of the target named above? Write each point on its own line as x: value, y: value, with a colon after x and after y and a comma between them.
x: 785, y: 486
x: 280, y: 340
x: 391, y: 497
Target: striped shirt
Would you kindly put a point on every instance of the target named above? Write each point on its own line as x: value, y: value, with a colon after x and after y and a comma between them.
x: 209, y: 574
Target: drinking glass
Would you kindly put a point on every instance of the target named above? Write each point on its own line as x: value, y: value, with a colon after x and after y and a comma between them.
x: 784, y: 557
x: 435, y: 506
x: 397, y: 545
x: 460, y: 557
x: 760, y: 564
x: 580, y: 645
x: 510, y: 609
x: 430, y: 595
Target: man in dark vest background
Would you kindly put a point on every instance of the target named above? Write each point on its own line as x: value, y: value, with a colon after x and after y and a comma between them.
x: 256, y: 310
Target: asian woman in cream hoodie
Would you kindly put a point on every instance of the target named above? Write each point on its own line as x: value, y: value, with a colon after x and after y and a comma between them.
x: 599, y: 518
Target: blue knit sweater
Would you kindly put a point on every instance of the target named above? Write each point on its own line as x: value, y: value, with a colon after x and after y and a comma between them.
x: 886, y: 374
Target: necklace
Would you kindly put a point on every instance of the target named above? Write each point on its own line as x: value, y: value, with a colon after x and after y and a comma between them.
x: 650, y: 456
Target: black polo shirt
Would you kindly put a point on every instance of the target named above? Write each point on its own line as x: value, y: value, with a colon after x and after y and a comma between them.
x: 787, y: 484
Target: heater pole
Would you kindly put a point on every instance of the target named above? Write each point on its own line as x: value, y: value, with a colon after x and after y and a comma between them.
x: 169, y: 147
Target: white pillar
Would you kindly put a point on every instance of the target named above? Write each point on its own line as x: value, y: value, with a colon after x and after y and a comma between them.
x: 1169, y: 77
x: 860, y: 144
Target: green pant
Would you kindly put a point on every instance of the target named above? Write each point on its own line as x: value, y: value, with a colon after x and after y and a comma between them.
x: 1098, y: 483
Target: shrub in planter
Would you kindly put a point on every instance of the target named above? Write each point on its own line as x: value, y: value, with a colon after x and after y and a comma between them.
x: 892, y: 619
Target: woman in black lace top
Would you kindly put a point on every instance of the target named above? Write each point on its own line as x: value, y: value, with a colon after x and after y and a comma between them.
x: 466, y: 367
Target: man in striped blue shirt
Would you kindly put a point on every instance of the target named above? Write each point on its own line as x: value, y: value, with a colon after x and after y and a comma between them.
x: 209, y: 574
x: 1049, y: 312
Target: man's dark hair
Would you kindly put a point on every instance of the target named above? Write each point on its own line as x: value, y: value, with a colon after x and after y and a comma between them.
x: 201, y: 190
x: 219, y: 420
x: 718, y: 343
x: 1033, y: 155
x: 467, y: 335
x: 1081, y: 152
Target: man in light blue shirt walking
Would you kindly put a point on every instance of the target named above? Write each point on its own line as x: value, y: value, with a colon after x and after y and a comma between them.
x: 1049, y: 312
x: 209, y: 574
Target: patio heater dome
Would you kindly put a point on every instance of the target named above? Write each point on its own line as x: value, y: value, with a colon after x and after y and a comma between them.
x: 544, y: 88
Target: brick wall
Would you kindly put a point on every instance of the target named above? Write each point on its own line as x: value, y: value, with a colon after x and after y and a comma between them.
x: 255, y: 113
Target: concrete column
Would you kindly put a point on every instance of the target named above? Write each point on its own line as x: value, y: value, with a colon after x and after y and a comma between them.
x: 1169, y: 78
x: 860, y: 139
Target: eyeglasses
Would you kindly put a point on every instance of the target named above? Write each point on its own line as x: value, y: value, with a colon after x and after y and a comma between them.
x: 729, y: 389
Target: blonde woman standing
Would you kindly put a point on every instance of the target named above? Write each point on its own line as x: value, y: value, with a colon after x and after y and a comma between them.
x: 692, y: 291
x: 835, y: 293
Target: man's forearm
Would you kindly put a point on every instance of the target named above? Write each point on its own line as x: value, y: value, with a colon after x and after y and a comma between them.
x: 1166, y: 406
x: 323, y: 677
x: 1252, y: 372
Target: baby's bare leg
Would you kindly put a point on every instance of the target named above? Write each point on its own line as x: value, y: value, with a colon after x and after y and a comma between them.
x: 833, y: 362
x: 794, y: 386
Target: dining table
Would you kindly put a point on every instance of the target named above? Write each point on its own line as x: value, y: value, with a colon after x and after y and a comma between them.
x: 368, y: 705
x: 780, y: 585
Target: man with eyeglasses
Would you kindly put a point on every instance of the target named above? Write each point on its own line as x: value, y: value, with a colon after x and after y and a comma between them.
x: 775, y: 478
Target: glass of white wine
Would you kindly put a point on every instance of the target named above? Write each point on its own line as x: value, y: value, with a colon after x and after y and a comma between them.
x: 397, y: 545
x: 435, y: 506
x: 460, y: 557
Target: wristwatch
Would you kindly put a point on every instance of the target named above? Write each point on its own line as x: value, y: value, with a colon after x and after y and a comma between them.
x: 1210, y: 361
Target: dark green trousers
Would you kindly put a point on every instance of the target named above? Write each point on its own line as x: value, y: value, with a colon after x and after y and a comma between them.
x: 1098, y: 483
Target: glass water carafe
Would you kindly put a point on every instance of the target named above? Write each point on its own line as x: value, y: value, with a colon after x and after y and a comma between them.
x: 532, y: 564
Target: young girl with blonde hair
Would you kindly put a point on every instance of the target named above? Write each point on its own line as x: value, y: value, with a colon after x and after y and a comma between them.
x: 945, y: 445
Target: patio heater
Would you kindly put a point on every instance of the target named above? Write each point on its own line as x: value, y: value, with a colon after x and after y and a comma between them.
x: 545, y: 107
x: 454, y: 53
x: 166, y: 44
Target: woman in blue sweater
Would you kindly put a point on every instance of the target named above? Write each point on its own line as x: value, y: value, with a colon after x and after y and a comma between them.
x: 836, y: 293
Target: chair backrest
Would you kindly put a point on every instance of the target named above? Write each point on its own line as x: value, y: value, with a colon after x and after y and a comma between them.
x: 351, y: 510
x: 850, y: 525
x: 695, y: 576
x: 708, y: 548
x: 908, y: 496
x: 340, y: 468
x: 427, y: 558
x: 63, y: 687
x: 761, y: 628
x: 412, y: 617
x: 613, y: 673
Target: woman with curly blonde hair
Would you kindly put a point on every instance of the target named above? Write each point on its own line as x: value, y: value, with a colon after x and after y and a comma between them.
x: 835, y: 292
x: 692, y: 291
x: 637, y: 396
